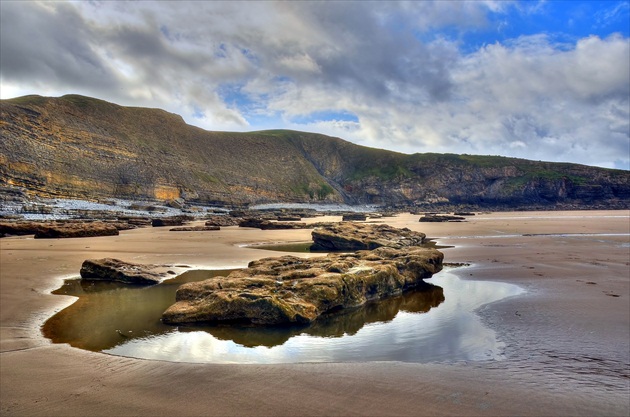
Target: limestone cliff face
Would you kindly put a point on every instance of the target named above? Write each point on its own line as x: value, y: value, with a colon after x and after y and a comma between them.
x: 76, y: 146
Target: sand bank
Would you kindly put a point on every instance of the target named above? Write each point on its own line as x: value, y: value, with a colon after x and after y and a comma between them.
x: 567, y: 338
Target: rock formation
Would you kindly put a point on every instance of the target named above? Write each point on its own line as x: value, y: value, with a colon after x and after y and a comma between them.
x: 222, y: 221
x: 78, y: 229
x: 194, y: 229
x: 438, y: 218
x: 109, y: 269
x: 337, y: 324
x: 292, y: 290
x: 348, y: 236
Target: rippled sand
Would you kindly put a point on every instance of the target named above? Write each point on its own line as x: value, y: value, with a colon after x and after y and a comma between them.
x: 566, y: 340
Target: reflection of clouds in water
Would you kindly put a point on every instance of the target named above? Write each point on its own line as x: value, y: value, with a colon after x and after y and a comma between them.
x: 449, y: 332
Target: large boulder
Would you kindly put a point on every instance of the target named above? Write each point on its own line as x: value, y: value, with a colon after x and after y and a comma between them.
x: 292, y: 290
x: 347, y: 236
x: 110, y: 269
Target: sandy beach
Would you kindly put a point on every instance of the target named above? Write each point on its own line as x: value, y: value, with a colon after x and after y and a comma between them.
x: 567, y: 338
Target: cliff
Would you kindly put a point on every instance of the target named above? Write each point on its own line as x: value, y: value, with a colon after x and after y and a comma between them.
x: 81, y: 147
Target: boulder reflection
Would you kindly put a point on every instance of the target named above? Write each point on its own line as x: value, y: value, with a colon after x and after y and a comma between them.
x: 335, y: 324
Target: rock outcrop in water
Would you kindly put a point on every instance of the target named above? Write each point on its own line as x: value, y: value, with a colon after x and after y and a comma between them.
x: 337, y: 324
x: 289, y: 289
x: 294, y: 290
x: 109, y: 269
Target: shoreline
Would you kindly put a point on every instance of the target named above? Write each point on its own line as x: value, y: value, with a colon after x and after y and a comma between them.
x: 41, y: 378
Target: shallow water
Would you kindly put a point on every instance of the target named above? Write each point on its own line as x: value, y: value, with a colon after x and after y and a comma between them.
x: 423, y: 326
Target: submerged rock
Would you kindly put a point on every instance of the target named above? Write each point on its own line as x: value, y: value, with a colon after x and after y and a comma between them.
x: 289, y: 289
x: 352, y: 236
x: 110, y: 269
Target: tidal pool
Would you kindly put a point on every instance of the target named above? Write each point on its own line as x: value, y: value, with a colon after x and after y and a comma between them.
x: 434, y: 325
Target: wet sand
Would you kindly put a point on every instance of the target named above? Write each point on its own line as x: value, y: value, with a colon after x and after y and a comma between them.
x: 567, y: 339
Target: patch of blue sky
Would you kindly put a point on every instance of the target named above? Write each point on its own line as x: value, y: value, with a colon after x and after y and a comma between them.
x: 232, y: 94
x: 562, y: 21
x: 198, y: 112
x: 325, y: 116
x: 252, y: 108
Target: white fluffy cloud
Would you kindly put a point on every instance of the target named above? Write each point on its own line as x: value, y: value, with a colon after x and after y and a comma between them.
x: 394, y: 81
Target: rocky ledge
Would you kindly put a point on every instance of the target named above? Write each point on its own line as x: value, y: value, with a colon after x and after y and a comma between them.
x: 55, y: 230
x: 347, y: 236
x: 292, y: 290
x: 109, y: 269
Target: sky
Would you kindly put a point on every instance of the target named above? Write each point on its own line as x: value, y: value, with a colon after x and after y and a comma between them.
x: 541, y: 80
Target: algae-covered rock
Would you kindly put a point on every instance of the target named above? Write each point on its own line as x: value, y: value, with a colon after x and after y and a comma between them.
x: 289, y: 289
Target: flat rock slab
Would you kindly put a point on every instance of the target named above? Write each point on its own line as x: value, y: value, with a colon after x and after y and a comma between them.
x: 194, y: 228
x: 359, y: 236
x: 110, y: 269
x: 264, y: 224
x: 50, y: 230
x: 288, y: 289
x: 77, y: 230
x: 439, y: 218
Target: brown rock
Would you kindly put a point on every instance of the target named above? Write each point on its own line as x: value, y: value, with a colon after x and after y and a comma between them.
x: 351, y: 236
x: 223, y: 221
x: 194, y: 229
x: 347, y: 217
x: 167, y: 221
x: 21, y: 228
x: 109, y: 269
x: 437, y: 218
x: 294, y: 290
x: 79, y: 229
x: 270, y: 225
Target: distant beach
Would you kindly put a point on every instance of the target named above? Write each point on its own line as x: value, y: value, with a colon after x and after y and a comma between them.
x: 566, y: 339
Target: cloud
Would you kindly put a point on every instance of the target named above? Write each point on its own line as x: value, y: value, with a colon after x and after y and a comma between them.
x: 401, y: 69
